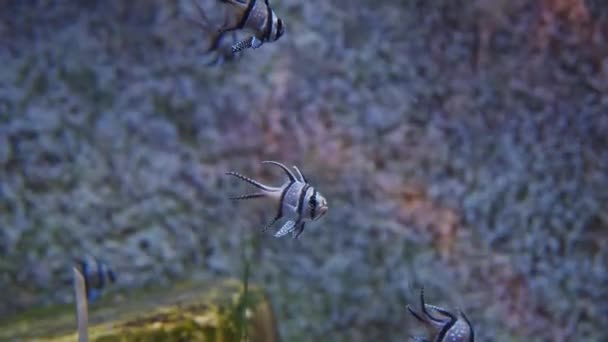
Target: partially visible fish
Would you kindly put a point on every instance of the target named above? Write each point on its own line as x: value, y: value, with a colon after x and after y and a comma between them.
x: 253, y: 16
x: 443, y: 325
x: 97, y: 275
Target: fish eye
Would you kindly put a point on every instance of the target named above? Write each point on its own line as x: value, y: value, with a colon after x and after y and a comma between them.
x: 313, y: 202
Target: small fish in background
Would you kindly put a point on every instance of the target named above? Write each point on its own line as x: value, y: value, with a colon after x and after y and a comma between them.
x: 255, y: 17
x: 296, y: 200
x: 97, y: 276
x: 443, y: 325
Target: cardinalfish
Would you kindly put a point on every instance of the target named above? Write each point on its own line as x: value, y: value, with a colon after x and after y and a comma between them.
x: 443, y: 326
x: 255, y: 17
x: 296, y: 200
x: 97, y: 276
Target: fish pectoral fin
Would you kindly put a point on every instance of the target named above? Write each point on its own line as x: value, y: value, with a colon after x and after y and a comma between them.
x: 287, y: 227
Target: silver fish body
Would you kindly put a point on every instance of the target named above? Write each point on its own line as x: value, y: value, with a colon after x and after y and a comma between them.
x: 258, y: 18
x: 443, y: 325
x: 296, y: 200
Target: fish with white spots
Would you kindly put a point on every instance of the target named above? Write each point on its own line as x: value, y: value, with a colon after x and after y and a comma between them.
x: 296, y: 200
x: 443, y: 325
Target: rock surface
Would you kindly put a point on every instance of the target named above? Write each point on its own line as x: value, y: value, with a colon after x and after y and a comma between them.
x: 183, y: 312
x: 461, y: 145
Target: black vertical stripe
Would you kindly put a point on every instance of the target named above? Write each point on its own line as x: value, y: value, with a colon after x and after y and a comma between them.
x: 246, y: 14
x: 282, y: 198
x: 471, y: 331
x: 299, y: 230
x: 444, y: 331
x: 111, y: 275
x: 301, y: 201
x: 279, y: 29
x: 100, y: 275
x: 313, y: 204
x: 268, y: 22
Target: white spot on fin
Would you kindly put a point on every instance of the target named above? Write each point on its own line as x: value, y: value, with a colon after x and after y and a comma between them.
x: 287, y: 227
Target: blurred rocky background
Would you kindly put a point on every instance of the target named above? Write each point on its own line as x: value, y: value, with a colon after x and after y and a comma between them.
x: 462, y: 146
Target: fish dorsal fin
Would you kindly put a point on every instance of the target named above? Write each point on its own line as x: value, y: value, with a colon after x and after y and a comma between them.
x: 250, y: 181
x: 290, y: 175
x: 302, y: 177
x: 287, y: 227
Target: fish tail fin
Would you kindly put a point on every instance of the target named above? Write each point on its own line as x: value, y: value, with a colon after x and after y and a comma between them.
x: 215, y: 34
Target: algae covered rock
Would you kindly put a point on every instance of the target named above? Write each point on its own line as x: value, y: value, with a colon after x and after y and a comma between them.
x: 221, y: 311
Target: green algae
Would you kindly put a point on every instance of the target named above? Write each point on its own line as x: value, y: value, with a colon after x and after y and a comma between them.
x: 183, y: 312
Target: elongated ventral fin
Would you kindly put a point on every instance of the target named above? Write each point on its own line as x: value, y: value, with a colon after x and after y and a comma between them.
x: 287, y: 227
x: 248, y: 196
x: 242, y: 45
x: 271, y: 223
x: 81, y: 305
x: 250, y: 181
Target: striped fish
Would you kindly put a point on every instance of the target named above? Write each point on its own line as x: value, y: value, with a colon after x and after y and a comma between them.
x: 97, y: 275
x: 296, y: 200
x: 253, y: 16
x: 443, y: 325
